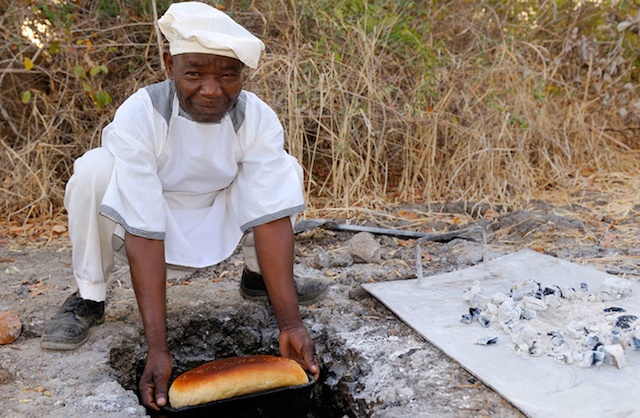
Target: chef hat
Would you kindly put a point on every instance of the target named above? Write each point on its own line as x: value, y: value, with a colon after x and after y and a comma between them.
x: 194, y: 27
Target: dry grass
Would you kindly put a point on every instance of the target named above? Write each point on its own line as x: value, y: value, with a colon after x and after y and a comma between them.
x: 383, y: 101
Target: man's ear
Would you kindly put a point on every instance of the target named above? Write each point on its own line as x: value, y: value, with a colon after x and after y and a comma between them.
x: 168, y: 64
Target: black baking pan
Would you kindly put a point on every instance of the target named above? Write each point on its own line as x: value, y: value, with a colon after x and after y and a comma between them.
x: 287, y: 402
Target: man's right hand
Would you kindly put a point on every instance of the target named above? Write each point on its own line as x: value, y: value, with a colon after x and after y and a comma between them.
x: 155, y: 379
x: 148, y: 275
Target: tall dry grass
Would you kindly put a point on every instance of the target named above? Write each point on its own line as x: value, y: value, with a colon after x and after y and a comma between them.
x: 383, y: 101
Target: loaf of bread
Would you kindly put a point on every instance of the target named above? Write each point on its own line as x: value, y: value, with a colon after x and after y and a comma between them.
x: 235, y: 376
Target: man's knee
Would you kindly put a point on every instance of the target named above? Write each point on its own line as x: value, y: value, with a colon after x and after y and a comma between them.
x: 94, y: 168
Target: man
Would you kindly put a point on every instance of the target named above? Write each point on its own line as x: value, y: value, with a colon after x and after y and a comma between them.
x: 187, y: 169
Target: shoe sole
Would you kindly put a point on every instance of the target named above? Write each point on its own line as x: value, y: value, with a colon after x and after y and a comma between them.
x: 59, y: 345
x: 67, y: 345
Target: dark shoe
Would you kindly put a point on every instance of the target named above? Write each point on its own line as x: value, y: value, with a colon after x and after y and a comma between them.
x: 309, y: 291
x: 69, y: 328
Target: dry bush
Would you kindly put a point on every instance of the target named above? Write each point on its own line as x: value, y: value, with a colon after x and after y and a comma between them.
x: 381, y: 100
x: 59, y: 91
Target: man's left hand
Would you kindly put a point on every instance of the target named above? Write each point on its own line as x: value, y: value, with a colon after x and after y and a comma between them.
x: 295, y: 343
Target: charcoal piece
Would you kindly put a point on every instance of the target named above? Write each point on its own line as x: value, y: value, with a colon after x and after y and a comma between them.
x: 474, y: 312
x: 593, y: 359
x: 614, y: 309
x: 594, y: 340
x: 625, y: 321
x: 487, y: 340
x: 598, y: 357
x: 615, y: 336
x: 466, y: 319
x: 635, y: 339
x: 584, y: 287
x: 556, y: 338
x: 534, y: 349
x: 528, y: 314
x: 484, y: 321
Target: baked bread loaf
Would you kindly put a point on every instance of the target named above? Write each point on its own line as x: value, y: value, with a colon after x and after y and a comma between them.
x: 235, y: 376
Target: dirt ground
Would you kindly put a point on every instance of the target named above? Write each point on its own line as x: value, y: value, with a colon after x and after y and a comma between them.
x: 373, y: 364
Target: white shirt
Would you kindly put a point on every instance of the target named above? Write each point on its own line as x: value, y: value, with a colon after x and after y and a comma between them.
x: 198, y: 186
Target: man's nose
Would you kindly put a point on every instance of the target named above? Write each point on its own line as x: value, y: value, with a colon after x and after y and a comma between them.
x: 210, y: 87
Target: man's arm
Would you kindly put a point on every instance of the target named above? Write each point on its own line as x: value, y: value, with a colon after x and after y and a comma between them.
x: 148, y: 275
x: 274, y: 247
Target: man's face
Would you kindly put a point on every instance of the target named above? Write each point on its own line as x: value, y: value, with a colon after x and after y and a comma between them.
x: 207, y: 85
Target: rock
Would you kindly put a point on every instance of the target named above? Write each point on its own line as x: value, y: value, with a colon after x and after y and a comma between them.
x: 567, y: 292
x: 528, y: 314
x: 358, y: 293
x: 526, y: 288
x: 564, y: 357
x: 552, y: 301
x: 614, y: 355
x: 499, y: 298
x: 340, y: 258
x: 529, y: 302
x: 5, y: 376
x: 478, y: 300
x: 364, y: 248
x: 472, y: 290
x: 524, y: 334
x: 10, y: 326
x: 509, y: 313
x: 616, y: 287
x: 576, y: 329
x: 321, y: 259
x: 465, y: 252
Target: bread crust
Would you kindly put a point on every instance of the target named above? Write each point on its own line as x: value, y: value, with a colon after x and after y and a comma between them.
x: 235, y: 376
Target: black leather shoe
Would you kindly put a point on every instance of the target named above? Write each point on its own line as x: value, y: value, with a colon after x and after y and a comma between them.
x: 309, y: 290
x: 69, y: 328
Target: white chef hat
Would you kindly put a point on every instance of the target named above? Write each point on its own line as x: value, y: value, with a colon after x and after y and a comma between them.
x: 194, y: 27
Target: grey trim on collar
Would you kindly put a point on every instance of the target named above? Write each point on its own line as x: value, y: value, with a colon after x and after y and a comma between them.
x: 162, y: 95
x: 238, y: 110
x: 112, y: 214
x: 272, y: 217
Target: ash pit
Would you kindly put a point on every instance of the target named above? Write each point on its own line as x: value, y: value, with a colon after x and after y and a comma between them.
x: 197, y: 335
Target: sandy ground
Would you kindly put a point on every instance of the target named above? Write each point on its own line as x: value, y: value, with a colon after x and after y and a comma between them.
x: 373, y: 364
